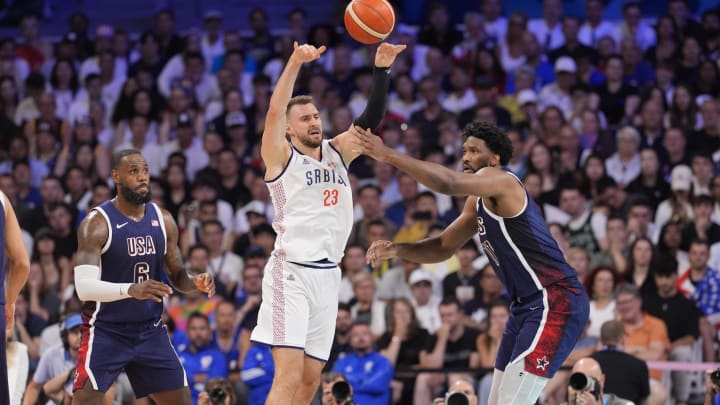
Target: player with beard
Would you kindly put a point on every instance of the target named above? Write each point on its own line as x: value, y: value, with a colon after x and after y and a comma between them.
x: 549, y: 307
x: 310, y: 189
x: 123, y: 245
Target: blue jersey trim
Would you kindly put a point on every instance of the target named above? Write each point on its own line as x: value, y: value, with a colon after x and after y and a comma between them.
x: 284, y: 168
x: 313, y: 266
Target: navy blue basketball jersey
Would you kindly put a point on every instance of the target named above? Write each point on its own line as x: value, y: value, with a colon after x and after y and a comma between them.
x: 134, y: 252
x: 522, y: 251
x: 3, y: 236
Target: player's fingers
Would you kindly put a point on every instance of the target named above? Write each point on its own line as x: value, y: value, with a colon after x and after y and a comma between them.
x: 295, y: 45
x: 322, y: 49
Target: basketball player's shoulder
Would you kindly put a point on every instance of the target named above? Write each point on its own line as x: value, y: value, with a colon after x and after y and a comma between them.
x: 94, y: 224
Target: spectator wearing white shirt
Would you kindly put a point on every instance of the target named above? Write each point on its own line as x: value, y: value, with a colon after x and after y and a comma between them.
x: 367, y: 309
x: 425, y: 301
x: 624, y: 165
x: 212, y: 42
x: 225, y: 266
x: 103, y: 43
x: 353, y: 263
x: 462, y: 96
x: 404, y: 101
x: 548, y: 29
x: 632, y: 27
x: 189, y: 144
x: 558, y: 93
x: 495, y: 23
x: 594, y: 26
x: 139, y: 127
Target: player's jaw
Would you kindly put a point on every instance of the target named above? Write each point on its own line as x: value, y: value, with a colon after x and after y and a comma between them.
x: 139, y: 195
x: 313, y: 137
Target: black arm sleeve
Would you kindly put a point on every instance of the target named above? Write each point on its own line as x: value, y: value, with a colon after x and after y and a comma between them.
x: 377, y: 100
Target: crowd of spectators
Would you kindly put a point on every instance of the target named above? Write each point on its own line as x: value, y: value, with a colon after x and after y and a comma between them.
x: 615, y: 128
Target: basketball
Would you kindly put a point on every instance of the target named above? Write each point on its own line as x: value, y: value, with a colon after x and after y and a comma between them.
x: 369, y: 21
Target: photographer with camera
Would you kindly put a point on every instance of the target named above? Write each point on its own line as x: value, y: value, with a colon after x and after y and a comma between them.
x: 712, y: 387
x: 367, y: 371
x: 218, y: 391
x: 334, y: 390
x: 586, y: 385
x: 461, y: 392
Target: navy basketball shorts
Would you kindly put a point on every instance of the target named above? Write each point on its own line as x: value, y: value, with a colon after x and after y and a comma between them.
x: 143, y: 351
x: 543, y: 329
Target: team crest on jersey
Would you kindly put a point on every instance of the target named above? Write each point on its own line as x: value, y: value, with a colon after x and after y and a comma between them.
x: 332, y: 165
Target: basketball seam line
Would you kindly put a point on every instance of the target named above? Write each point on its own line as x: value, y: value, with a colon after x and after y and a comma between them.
x: 362, y: 25
x: 380, y: 15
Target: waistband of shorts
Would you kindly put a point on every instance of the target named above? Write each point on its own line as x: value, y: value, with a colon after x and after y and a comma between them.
x: 317, y: 264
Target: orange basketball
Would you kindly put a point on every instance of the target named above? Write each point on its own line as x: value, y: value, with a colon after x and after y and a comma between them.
x: 369, y: 21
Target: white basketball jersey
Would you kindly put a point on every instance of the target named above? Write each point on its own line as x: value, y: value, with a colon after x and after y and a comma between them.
x: 313, y: 207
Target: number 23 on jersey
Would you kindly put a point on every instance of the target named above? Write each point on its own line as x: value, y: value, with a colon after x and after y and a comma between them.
x: 330, y: 197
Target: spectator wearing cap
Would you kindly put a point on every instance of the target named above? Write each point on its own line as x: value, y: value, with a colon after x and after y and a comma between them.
x: 212, y: 43
x: 189, y: 144
x: 57, y: 366
x: 624, y: 165
x: 424, y: 300
x: 677, y: 207
x: 595, y: 26
x: 558, y: 93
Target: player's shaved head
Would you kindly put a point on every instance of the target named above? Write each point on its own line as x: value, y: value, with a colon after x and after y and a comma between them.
x: 589, y: 366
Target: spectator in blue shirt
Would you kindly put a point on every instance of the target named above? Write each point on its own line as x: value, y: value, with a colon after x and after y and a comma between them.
x: 201, y: 360
x: 367, y: 371
x: 257, y: 373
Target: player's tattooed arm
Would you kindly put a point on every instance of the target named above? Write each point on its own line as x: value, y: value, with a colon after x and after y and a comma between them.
x: 92, y: 235
x: 176, y: 271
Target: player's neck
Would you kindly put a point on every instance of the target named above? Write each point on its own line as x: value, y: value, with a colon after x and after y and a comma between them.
x: 130, y: 210
x: 314, y: 153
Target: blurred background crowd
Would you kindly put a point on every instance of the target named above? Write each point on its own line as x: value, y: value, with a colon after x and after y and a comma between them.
x: 615, y: 125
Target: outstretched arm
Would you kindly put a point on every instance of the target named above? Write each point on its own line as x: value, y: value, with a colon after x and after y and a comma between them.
x: 176, y: 272
x: 431, y: 250
x: 377, y: 99
x: 488, y: 182
x: 274, y: 148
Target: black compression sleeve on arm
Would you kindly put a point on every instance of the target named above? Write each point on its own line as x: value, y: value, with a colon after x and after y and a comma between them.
x: 377, y: 100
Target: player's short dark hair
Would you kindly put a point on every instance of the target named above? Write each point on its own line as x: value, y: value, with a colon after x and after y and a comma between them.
x: 119, y: 155
x: 298, y: 100
x: 495, y: 138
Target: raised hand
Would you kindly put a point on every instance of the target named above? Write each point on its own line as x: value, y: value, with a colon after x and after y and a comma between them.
x: 205, y: 283
x: 386, y: 53
x: 380, y: 250
x: 366, y: 143
x: 149, y: 290
x: 306, y: 53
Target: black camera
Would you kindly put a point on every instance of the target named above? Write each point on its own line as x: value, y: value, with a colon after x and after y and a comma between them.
x: 217, y: 396
x: 583, y: 382
x: 341, y: 393
x: 456, y: 398
x: 715, y: 377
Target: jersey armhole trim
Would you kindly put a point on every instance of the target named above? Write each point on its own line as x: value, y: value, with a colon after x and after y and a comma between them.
x: 2, y: 202
x: 339, y: 154
x: 292, y: 152
x: 161, y: 219
x: 106, y: 246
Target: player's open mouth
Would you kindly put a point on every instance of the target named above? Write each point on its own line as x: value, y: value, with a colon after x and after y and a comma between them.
x: 468, y: 169
x: 315, y: 132
x: 142, y: 188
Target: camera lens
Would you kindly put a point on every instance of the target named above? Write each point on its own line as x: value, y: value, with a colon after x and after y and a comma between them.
x: 457, y: 398
x: 341, y: 391
x: 579, y: 381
